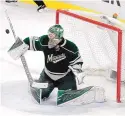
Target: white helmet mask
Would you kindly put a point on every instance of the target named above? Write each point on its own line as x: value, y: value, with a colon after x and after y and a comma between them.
x: 55, y: 33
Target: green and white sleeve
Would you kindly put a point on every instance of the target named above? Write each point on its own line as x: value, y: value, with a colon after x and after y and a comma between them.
x: 34, y: 43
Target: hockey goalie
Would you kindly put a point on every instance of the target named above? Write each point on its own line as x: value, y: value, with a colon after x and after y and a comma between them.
x: 63, y: 69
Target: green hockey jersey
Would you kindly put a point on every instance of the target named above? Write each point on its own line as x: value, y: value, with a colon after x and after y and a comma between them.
x: 56, y: 61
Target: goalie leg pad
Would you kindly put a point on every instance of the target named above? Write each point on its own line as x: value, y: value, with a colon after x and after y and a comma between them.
x: 41, y: 91
x: 83, y: 96
x: 36, y: 93
x: 39, y: 85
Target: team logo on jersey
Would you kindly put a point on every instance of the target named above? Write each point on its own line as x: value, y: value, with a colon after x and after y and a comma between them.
x: 55, y: 59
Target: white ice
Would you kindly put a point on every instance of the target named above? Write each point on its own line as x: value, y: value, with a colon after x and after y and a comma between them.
x: 15, y: 94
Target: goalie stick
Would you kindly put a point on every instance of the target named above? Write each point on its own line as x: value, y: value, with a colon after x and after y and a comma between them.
x: 23, y: 60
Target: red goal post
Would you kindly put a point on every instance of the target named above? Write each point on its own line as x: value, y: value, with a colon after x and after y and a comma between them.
x: 116, y: 29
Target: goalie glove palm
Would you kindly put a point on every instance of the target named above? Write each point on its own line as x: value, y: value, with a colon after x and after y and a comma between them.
x: 18, y: 49
x: 80, y: 74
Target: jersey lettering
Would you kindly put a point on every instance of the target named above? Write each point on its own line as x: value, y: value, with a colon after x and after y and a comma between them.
x: 55, y: 59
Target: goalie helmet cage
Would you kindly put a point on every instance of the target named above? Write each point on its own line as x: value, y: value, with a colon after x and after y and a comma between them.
x: 75, y: 16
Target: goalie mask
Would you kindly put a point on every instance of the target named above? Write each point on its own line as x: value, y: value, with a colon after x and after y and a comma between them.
x: 55, y: 34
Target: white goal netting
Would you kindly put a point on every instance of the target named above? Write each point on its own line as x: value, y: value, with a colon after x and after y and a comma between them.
x: 99, y: 46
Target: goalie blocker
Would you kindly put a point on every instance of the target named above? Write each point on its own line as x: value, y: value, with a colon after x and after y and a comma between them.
x: 18, y: 49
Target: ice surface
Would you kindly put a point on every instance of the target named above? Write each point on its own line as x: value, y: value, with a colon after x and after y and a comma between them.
x: 14, y: 84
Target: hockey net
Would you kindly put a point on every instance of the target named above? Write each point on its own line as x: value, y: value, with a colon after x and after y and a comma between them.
x: 101, y: 43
